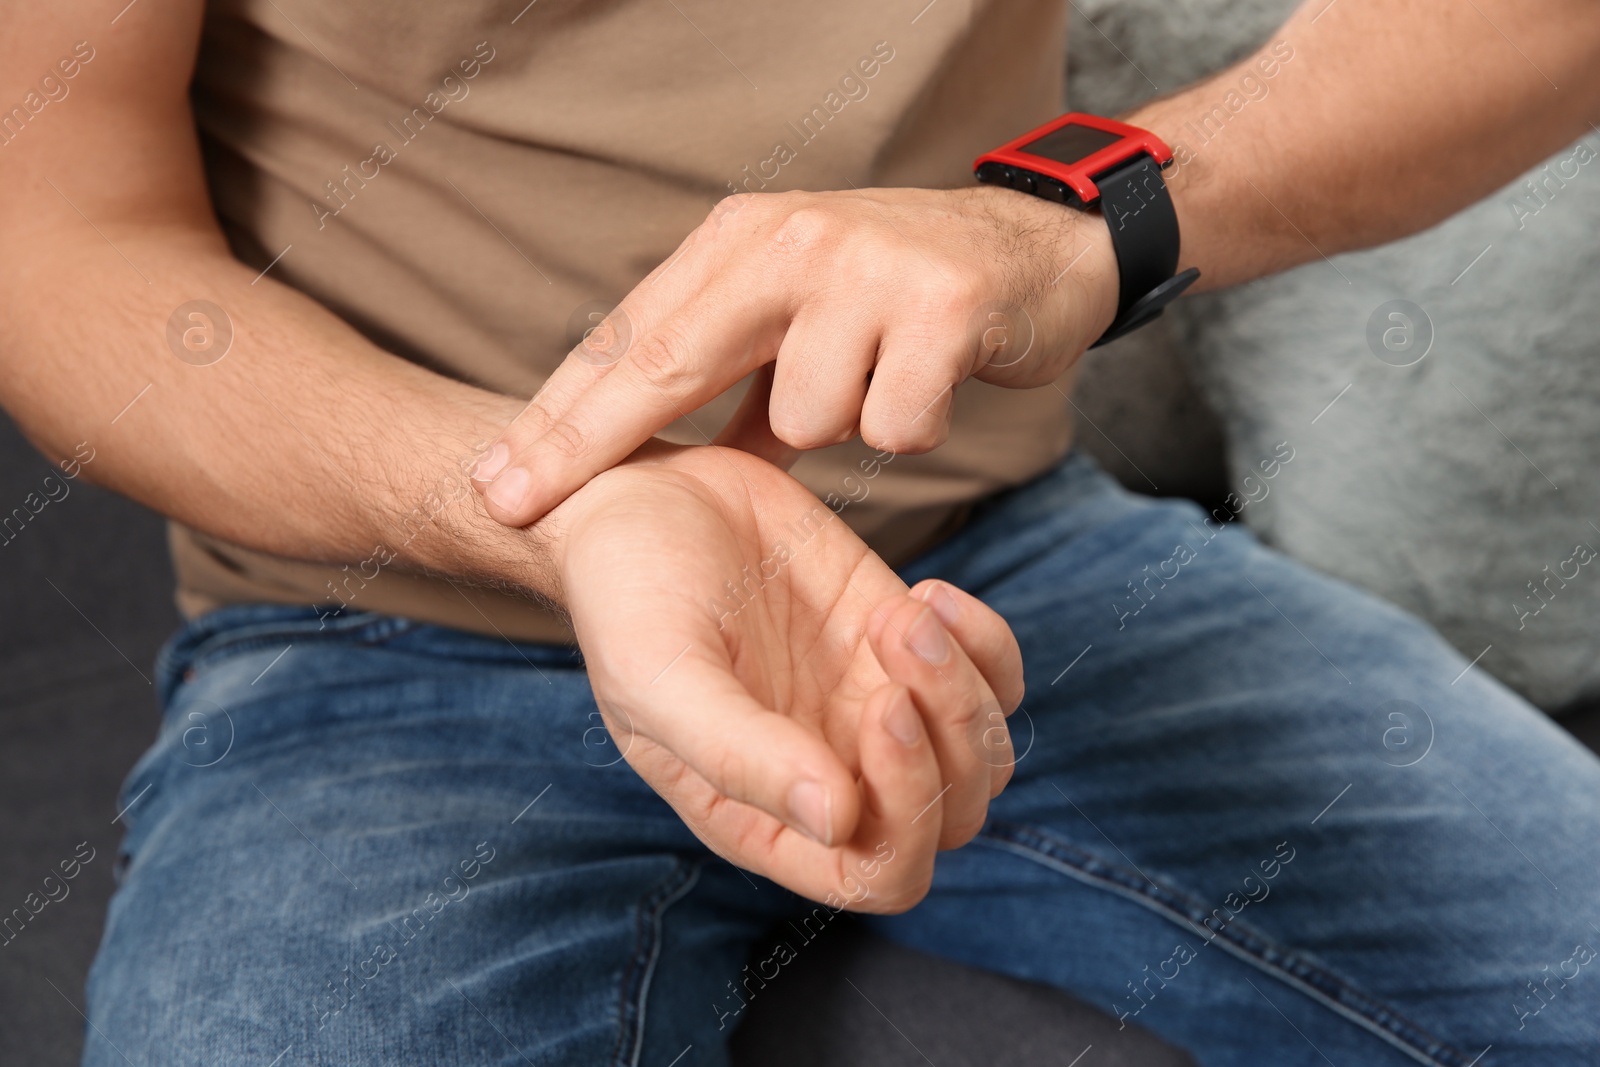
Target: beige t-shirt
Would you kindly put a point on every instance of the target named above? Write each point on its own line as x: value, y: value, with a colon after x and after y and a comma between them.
x: 469, y: 183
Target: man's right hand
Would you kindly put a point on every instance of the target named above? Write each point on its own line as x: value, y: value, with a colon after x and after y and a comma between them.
x: 775, y: 681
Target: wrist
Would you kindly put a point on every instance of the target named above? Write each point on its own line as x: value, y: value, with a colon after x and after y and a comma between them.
x: 1088, y: 291
x: 667, y: 517
x: 641, y: 491
x: 435, y: 520
x: 1064, y: 273
x: 1230, y: 211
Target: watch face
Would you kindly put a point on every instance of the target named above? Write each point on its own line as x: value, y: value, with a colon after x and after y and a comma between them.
x: 1070, y: 143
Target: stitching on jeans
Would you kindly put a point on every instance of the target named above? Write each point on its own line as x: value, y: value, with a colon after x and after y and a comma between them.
x: 365, y: 631
x: 635, y: 986
x: 1237, y: 938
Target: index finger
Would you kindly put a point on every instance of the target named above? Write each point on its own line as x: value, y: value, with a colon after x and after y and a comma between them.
x: 697, y: 353
x: 662, y: 292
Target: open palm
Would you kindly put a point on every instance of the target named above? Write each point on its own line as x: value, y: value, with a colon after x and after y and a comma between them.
x: 776, y: 682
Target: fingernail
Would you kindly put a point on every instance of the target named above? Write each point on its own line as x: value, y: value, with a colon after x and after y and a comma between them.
x: 809, y: 806
x: 508, y: 491
x: 903, y: 721
x: 938, y: 597
x: 492, y: 464
x: 927, y: 639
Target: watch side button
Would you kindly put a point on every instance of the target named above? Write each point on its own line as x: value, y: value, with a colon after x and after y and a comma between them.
x: 992, y: 173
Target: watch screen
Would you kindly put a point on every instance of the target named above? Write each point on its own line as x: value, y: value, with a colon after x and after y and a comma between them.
x: 1071, y: 143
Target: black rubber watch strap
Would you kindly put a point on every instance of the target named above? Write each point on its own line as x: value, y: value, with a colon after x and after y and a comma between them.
x: 1144, y: 231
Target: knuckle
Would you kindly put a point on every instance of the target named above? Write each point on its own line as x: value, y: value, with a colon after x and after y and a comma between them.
x: 901, y: 415
x: 803, y: 440
x: 928, y: 432
x: 659, y: 359
x: 728, y: 774
x: 878, y: 431
x: 805, y: 231
x: 958, y: 832
x: 904, y: 895
x: 803, y: 430
x: 990, y: 741
x: 603, y: 344
x: 566, y: 439
x: 534, y: 422
x: 904, y: 434
x: 974, y: 712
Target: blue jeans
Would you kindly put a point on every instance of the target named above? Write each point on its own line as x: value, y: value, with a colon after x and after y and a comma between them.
x: 1265, y: 815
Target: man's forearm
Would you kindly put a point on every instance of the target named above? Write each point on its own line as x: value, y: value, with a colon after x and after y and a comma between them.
x: 1387, y: 117
x: 304, y: 440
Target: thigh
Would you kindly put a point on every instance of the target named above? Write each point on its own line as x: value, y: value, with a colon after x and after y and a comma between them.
x: 390, y: 843
x: 1262, y: 813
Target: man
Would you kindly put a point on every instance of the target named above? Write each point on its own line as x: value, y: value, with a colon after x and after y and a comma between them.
x: 419, y: 844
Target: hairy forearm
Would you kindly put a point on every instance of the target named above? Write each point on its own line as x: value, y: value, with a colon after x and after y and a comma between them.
x: 1387, y: 117
x: 304, y: 440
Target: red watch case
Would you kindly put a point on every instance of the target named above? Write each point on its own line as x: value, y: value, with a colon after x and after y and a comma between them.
x: 1078, y: 177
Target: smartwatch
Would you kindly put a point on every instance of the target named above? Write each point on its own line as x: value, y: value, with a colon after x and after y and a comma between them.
x: 1088, y: 162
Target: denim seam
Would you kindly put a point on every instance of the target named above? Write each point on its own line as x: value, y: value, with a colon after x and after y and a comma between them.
x: 1238, y: 939
x: 635, y: 987
x: 219, y: 646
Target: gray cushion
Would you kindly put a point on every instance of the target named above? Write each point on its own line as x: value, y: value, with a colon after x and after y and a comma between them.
x: 1446, y: 486
x: 83, y: 584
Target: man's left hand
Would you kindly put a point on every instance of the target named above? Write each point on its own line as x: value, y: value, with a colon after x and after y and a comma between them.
x: 871, y: 305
